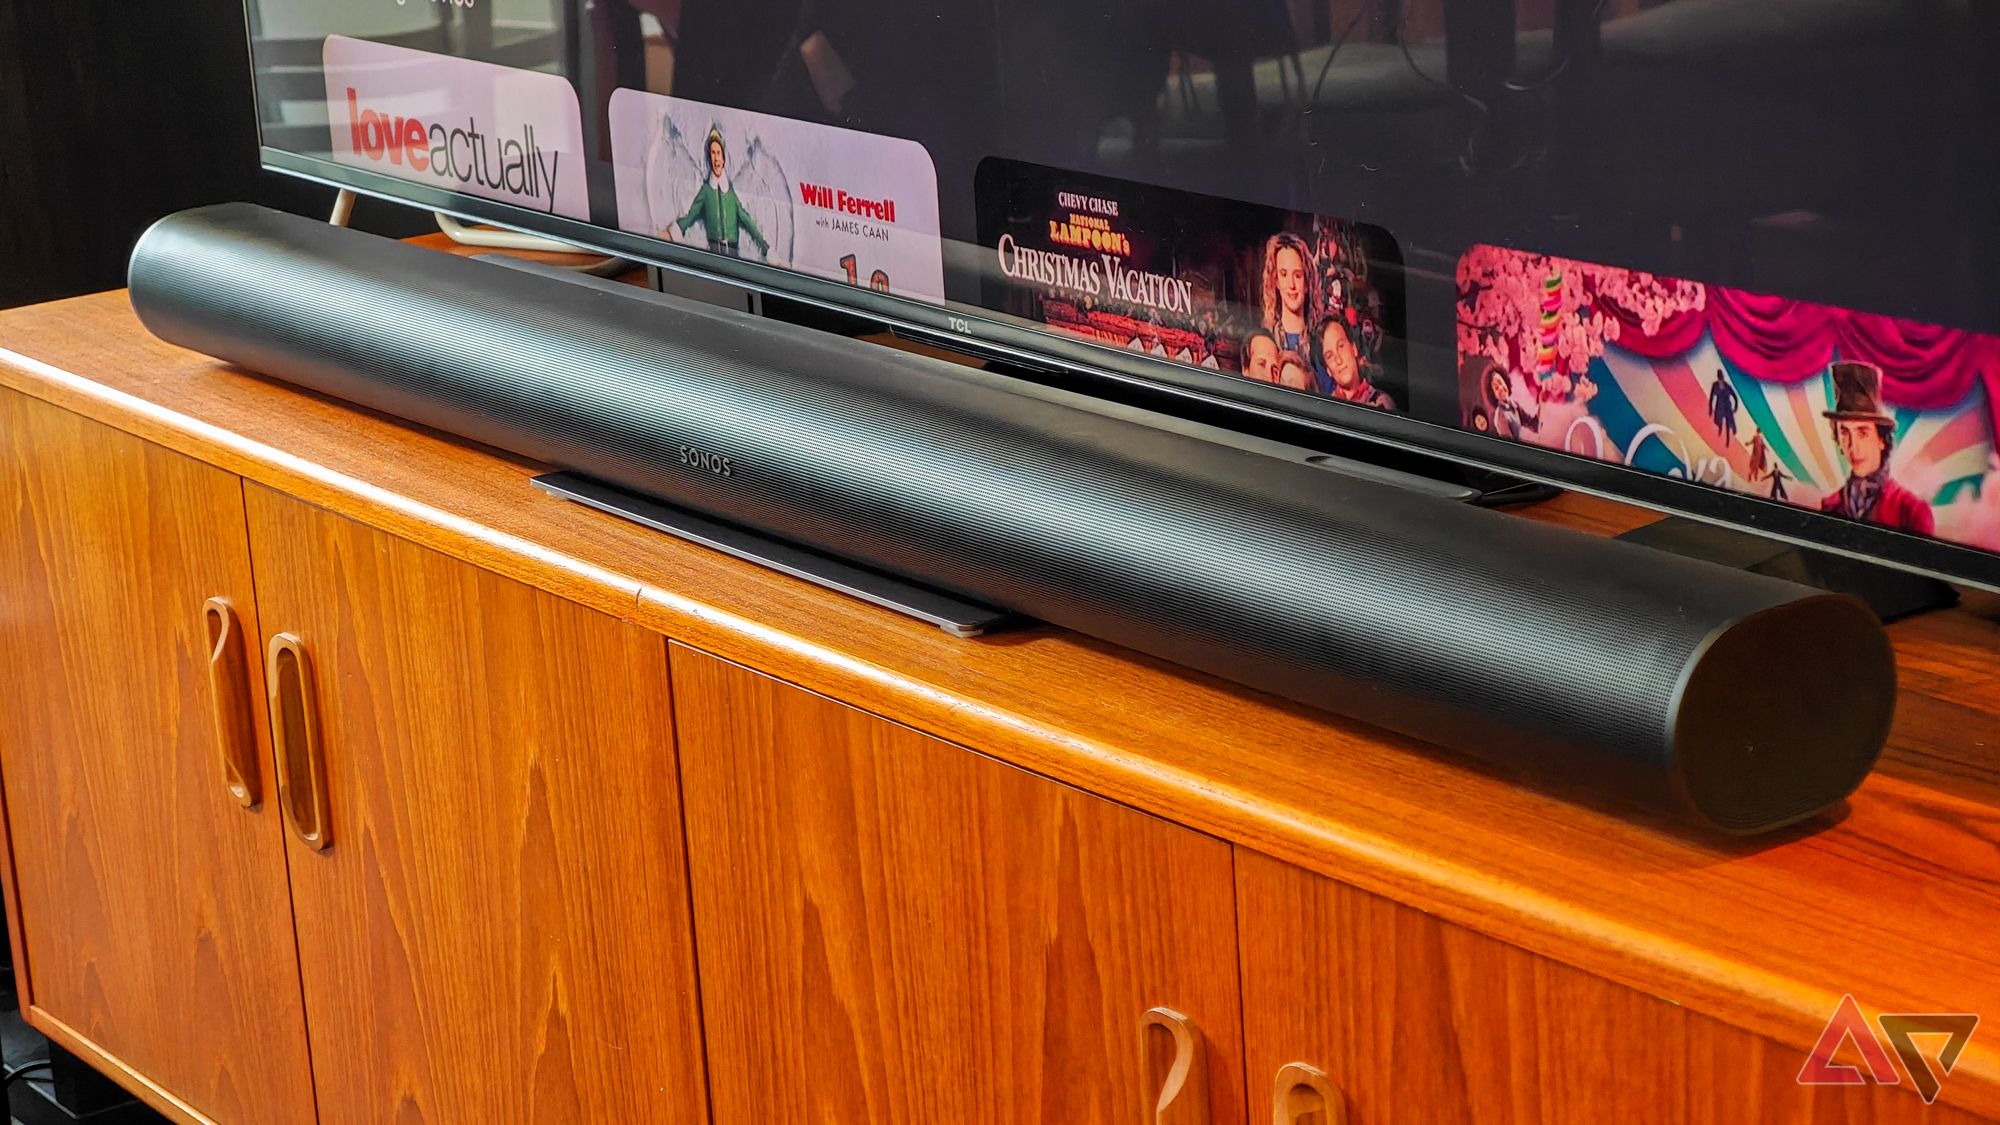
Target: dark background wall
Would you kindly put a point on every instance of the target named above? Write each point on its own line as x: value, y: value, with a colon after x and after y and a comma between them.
x: 114, y: 113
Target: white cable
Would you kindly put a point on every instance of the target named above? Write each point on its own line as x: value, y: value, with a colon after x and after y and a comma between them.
x: 514, y: 240
x: 343, y: 211
x: 500, y: 239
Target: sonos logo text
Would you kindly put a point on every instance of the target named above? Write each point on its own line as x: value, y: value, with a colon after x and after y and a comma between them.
x: 711, y: 462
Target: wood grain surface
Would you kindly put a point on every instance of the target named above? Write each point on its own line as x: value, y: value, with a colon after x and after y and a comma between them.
x: 894, y: 930
x: 1415, y: 1019
x: 1894, y: 899
x: 499, y: 931
x: 150, y: 902
x: 133, y: 1080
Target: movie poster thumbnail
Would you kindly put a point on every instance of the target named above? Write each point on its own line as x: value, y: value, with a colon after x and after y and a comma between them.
x: 497, y: 132
x: 1306, y: 302
x: 830, y: 202
x: 1863, y: 416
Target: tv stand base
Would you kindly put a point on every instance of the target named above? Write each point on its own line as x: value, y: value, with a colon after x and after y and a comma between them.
x: 955, y: 615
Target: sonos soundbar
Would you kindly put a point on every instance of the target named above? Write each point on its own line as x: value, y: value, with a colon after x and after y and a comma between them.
x: 1728, y: 699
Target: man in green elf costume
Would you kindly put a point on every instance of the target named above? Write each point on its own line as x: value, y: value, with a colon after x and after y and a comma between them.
x: 722, y: 216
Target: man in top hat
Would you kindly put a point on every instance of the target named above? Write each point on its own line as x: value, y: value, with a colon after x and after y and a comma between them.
x: 1866, y: 435
x: 1722, y: 403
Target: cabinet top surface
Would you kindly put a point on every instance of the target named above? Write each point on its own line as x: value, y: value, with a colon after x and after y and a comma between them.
x: 1895, y: 898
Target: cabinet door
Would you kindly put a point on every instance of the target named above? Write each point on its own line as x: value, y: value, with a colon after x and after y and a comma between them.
x: 896, y: 930
x: 1414, y: 1019
x: 497, y: 928
x: 152, y: 904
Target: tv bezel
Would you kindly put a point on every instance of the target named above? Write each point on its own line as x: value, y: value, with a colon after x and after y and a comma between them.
x: 962, y: 329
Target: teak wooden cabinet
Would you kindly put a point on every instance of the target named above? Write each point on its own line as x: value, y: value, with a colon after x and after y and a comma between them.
x: 1416, y: 1019
x: 498, y: 928
x: 155, y: 918
x: 503, y: 935
x: 895, y: 930
x: 348, y: 781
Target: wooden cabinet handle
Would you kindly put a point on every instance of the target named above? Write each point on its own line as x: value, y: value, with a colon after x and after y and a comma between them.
x: 1304, y: 1095
x: 295, y: 733
x: 229, y: 694
x: 1175, y: 1068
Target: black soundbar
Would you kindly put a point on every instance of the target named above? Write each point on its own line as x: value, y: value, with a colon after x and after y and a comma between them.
x: 1729, y: 699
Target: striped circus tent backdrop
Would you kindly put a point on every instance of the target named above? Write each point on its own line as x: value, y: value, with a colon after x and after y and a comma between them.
x: 1654, y: 414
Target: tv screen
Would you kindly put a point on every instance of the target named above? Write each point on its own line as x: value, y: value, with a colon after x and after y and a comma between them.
x: 1733, y: 259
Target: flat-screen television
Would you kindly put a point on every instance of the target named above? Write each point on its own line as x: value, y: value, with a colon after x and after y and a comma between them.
x: 1739, y: 260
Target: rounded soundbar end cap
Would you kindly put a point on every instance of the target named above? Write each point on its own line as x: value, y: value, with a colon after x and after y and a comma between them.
x: 138, y: 288
x: 162, y: 244
x: 1782, y: 713
x: 168, y: 226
